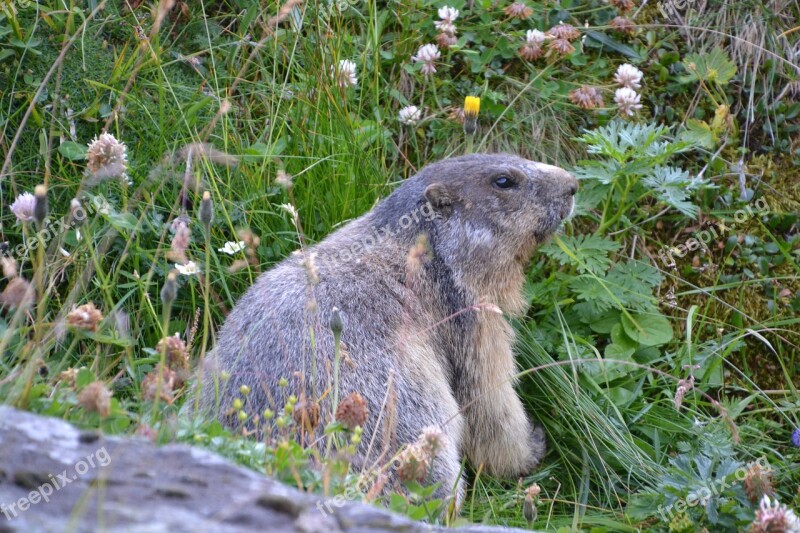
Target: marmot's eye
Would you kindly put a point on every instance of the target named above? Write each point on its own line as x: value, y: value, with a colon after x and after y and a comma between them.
x: 504, y: 182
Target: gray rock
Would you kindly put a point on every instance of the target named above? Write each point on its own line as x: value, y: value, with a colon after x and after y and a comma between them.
x: 54, y: 477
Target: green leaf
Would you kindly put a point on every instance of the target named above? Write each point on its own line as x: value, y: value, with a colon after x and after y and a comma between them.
x: 619, y: 338
x: 672, y: 186
x: 647, y: 329
x: 84, y: 377
x: 72, y: 150
x: 605, y: 40
x: 617, y: 352
x: 698, y: 132
x: 605, y: 324
x: 123, y: 221
x: 714, y: 66
x: 589, y: 253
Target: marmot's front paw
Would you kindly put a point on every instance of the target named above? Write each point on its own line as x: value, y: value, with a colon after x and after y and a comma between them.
x: 538, y: 443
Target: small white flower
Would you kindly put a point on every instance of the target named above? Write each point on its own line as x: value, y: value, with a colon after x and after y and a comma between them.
x: 23, y: 207
x: 448, y: 16
x: 410, y: 115
x: 231, y: 247
x: 628, y: 76
x: 445, y: 27
x: 627, y: 100
x: 535, y: 37
x: 427, y: 55
x: 63, y: 252
x: 447, y: 13
x: 345, y: 73
x: 189, y: 269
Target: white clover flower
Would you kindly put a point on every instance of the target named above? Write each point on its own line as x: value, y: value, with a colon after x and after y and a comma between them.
x: 627, y: 100
x: 427, y: 55
x: 23, y: 207
x: 774, y: 516
x: 628, y: 76
x: 448, y: 14
x: 107, y: 157
x: 345, y: 73
x: 410, y: 115
x: 535, y: 37
x: 445, y: 27
x: 189, y: 269
x: 231, y: 247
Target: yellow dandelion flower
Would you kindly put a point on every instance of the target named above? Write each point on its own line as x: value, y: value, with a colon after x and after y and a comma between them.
x: 472, y: 104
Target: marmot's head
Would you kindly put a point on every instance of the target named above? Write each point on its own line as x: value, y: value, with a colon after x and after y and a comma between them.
x: 502, y: 201
x: 491, y: 212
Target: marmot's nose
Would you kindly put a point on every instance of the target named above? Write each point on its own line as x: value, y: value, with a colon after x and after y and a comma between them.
x: 571, y: 186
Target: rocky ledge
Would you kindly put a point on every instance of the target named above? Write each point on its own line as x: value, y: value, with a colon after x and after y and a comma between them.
x: 55, y: 477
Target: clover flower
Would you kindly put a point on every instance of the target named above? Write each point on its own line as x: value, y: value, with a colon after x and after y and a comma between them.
x: 427, y: 55
x: 623, y: 25
x: 95, y: 397
x: 564, y: 31
x: 107, y: 157
x: 345, y: 73
x: 159, y: 383
x: 627, y: 100
x: 758, y: 482
x: 433, y: 440
x: 175, y: 351
x: 623, y: 5
x: 586, y: 97
x: 772, y: 516
x: 628, y: 76
x: 410, y: 115
x: 518, y: 10
x: 23, y: 207
x: 413, y: 463
x: 532, y: 49
x: 448, y: 15
x: 561, y: 46
x: 306, y: 414
x: 85, y: 317
x: 796, y: 437
x: 352, y: 411
x: 446, y: 40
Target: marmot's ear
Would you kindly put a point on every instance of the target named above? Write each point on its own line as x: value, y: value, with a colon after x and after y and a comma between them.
x: 438, y: 196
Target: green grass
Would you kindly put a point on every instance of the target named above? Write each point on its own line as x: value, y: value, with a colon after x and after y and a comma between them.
x: 617, y: 441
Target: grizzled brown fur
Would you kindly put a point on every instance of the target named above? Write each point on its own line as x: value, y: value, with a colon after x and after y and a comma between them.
x: 422, y: 344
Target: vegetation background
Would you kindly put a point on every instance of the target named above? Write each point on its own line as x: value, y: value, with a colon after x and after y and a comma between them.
x: 657, y: 373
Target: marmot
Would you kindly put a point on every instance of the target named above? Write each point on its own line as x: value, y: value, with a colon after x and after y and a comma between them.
x: 420, y: 281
